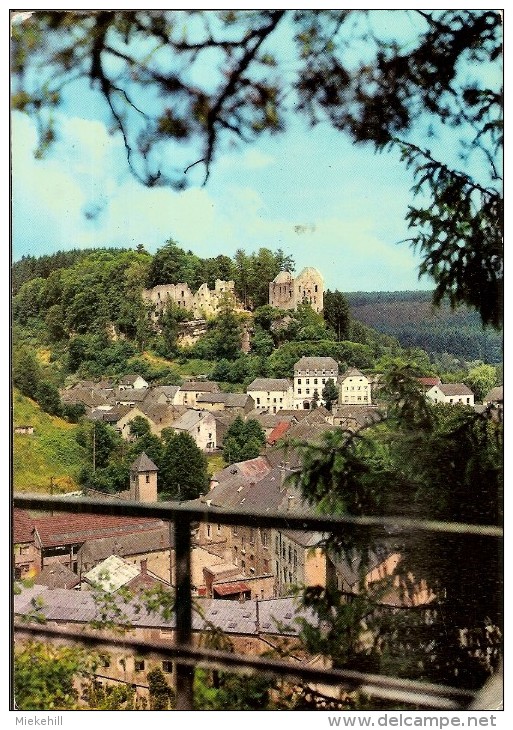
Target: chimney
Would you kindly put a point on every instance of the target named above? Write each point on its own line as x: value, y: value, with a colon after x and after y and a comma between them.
x: 144, y: 566
x: 290, y: 501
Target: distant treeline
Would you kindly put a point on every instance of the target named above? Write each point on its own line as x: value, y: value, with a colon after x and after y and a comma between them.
x: 411, y: 318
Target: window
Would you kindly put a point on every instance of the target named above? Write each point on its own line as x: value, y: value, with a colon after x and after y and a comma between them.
x: 315, y: 381
x: 299, y: 391
x: 208, y: 530
x: 299, y: 381
x: 258, y: 401
x: 234, y: 530
x: 147, y: 478
x: 251, y: 536
x: 139, y: 665
x: 290, y: 554
x: 308, y: 381
x: 265, y: 538
x: 219, y: 527
x: 167, y: 666
x: 308, y: 391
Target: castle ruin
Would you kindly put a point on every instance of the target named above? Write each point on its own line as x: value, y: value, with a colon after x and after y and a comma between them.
x: 286, y: 291
x: 203, y: 304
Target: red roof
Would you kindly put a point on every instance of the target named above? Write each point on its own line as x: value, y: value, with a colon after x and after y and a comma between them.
x: 278, y: 432
x: 429, y: 381
x: 69, y: 529
x: 23, y: 525
x: 228, y: 589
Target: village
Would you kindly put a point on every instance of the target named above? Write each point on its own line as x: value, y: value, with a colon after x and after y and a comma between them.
x: 243, y: 577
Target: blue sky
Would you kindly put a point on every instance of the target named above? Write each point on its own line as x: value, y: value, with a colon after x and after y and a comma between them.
x: 311, y: 192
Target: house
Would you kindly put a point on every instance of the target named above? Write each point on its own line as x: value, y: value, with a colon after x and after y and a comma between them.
x: 164, y: 394
x: 495, y: 396
x: 254, y: 627
x: 57, y: 575
x: 156, y: 547
x: 190, y: 390
x: 90, y: 398
x: 354, y: 388
x: 127, y: 415
x: 132, y: 382
x: 237, y: 403
x: 453, y: 393
x: 300, y: 560
x: 271, y: 394
x: 114, y: 573
x: 25, y: 555
x: 310, y: 376
x: 429, y: 382
x: 58, y: 538
x: 129, y: 396
x: 24, y: 430
x: 287, y: 291
x: 354, y: 418
x: 201, y: 425
x: 160, y: 415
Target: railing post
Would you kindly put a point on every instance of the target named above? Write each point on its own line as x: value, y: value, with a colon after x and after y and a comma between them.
x: 184, y: 673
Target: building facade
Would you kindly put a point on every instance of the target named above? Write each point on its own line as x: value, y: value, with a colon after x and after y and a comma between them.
x: 310, y: 376
x: 354, y: 388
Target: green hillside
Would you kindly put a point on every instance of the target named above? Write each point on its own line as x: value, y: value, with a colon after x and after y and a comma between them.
x: 411, y: 318
x: 51, y: 452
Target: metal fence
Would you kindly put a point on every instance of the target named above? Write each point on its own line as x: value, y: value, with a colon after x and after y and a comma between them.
x: 417, y: 694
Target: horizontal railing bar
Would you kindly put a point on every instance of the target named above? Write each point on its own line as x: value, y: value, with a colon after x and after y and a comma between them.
x: 413, y: 692
x: 292, y: 521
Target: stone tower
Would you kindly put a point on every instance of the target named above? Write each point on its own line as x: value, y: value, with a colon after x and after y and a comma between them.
x: 286, y: 292
x: 143, y: 479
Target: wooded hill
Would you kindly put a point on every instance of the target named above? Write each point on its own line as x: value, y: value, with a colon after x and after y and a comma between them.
x: 411, y: 318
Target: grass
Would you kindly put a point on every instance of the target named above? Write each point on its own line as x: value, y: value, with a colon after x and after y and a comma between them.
x: 215, y: 463
x: 50, y: 455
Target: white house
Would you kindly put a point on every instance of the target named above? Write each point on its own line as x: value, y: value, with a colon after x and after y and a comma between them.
x: 354, y: 388
x: 271, y: 394
x: 201, y: 425
x: 310, y: 375
x: 132, y: 382
x: 452, y: 393
x: 190, y: 390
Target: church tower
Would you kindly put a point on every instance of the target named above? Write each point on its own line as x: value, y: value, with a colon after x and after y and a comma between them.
x: 143, y: 479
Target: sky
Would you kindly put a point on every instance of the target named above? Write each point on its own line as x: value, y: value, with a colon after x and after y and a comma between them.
x: 311, y: 192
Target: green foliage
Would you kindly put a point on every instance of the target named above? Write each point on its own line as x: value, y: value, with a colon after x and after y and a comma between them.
x: 228, y: 691
x: 48, y: 397
x: 26, y: 372
x: 336, y: 313
x: 481, y: 379
x: 329, y: 394
x: 443, y: 464
x: 52, y: 452
x: 253, y: 273
x: 183, y: 469
x: 51, y: 686
x: 162, y: 696
x: 243, y: 440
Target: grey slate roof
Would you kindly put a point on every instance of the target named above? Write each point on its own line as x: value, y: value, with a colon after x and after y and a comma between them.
x: 272, y: 616
x: 190, y: 419
x: 317, y: 364
x: 143, y: 463
x: 200, y: 386
x: 269, y: 384
x: 495, y: 395
x: 57, y: 575
x: 350, y: 373
x: 93, y: 551
x: 455, y: 389
x: 230, y: 400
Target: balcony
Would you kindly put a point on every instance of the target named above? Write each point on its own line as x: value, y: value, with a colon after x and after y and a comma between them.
x: 418, y: 695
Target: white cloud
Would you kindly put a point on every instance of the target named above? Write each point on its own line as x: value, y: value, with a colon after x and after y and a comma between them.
x: 338, y: 230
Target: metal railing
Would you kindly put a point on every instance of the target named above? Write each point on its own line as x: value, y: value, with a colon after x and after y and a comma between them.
x: 187, y: 656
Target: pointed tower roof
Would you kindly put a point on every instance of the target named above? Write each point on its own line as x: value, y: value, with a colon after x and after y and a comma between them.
x: 143, y: 463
